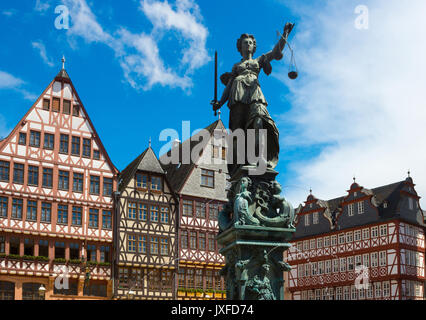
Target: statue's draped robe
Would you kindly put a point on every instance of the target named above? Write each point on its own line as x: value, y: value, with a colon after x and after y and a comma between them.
x: 247, y: 102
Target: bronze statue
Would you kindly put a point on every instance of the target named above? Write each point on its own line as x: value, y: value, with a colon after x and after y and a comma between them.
x: 248, y: 106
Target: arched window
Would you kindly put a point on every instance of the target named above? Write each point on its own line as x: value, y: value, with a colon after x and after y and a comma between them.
x: 30, y: 291
x: 7, y: 290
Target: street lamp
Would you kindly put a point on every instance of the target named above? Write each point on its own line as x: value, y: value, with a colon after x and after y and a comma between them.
x: 131, y: 294
x: 42, y: 292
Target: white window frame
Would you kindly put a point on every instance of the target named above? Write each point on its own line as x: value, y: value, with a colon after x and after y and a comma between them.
x: 383, y: 258
x: 328, y: 267
x: 335, y: 265
x: 349, y: 237
x: 315, y: 218
x: 342, y: 263
x: 319, y: 243
x: 342, y: 238
x: 351, y: 263
x: 326, y: 242
x: 320, y: 268
x: 351, y: 210
x: 386, y: 289
x: 307, y: 220
x: 374, y: 259
x: 365, y: 234
x: 358, y: 260
x: 361, y: 207
x: 357, y: 235
x: 312, y: 244
x: 366, y: 260
x: 374, y: 232
x: 378, y: 290
x: 384, y: 230
x: 333, y: 240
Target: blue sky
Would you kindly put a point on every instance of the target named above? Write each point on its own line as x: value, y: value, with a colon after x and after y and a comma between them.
x: 141, y: 66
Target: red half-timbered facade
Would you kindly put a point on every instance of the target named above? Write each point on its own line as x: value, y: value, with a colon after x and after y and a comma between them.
x: 368, y: 245
x: 201, y: 188
x: 56, y: 207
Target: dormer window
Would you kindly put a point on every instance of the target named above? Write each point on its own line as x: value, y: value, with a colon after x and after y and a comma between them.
x: 361, y: 207
x: 315, y: 218
x: 156, y: 183
x: 351, y: 210
x: 355, y: 194
x: 141, y: 181
x: 385, y: 204
x: 307, y: 220
x: 410, y: 203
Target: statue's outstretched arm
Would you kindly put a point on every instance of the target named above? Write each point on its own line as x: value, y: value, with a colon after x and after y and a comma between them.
x: 277, y: 52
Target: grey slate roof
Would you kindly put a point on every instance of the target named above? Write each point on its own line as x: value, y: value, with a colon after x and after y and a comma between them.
x: 147, y: 161
x: 178, y: 173
x: 63, y: 74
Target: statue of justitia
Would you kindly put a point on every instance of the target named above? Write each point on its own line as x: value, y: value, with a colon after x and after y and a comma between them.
x: 248, y: 106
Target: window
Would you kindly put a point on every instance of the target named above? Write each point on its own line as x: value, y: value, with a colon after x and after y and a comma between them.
x: 28, y: 247
x: 383, y: 230
x: 315, y: 218
x: 59, y: 250
x: 386, y: 289
x: 184, y: 240
x: 154, y: 213
x: 131, y: 210
x: 320, y: 267
x: 14, y: 246
x: 193, y: 240
x: 93, y: 218
x: 4, y: 171
x: 2, y: 244
x: 3, y: 207
x: 378, y: 290
x: 22, y: 139
x: 66, y: 107
x: 107, y: 187
x: 64, y: 180
x: 106, y: 220
x: 213, y: 211
x: 156, y: 184
x: 200, y: 210
x: 307, y: 220
x: 374, y: 259
x: 96, y: 154
x: 94, y: 185
x: 76, y: 111
x: 410, y: 203
x: 319, y: 243
x: 366, y: 260
x: 35, y: 139
x: 87, y: 148
x: 32, y: 176
x: 46, y: 212
x: 154, y: 245
x: 32, y: 210
x: 62, y: 214
x: 328, y: 267
x: 365, y: 234
x: 358, y: 261
x: 333, y: 240
x: 141, y: 181
x: 74, y: 251
x: 207, y: 178
x: 357, y: 235
x: 351, y: 266
x: 187, y: 208
x: 142, y: 244
x: 131, y: 243
x: 164, y: 215
x: 305, y: 245
x: 17, y: 209
x: 46, y: 104
x: 382, y: 259
x: 49, y: 141
x: 75, y: 146
x: 77, y: 182
x: 47, y: 178
x: 30, y: 291
x: 361, y: 207
x: 374, y: 232
x: 91, y: 252
x: 349, y: 237
x: 18, y: 173
x: 342, y: 264
x: 43, y: 248
x: 312, y: 244
x: 341, y: 238
x: 351, y: 210
x: 202, y: 241
x: 56, y: 104
x: 105, y: 254
x: 335, y: 265
x: 212, y: 241
x: 64, y: 143
x: 76, y: 216
x: 143, y: 212
x: 164, y: 249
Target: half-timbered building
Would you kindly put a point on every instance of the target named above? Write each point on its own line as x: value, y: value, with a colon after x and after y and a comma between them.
x: 146, y: 247
x: 200, y: 183
x: 367, y: 245
x: 56, y: 206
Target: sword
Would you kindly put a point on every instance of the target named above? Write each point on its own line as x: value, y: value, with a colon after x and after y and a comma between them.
x: 215, y: 83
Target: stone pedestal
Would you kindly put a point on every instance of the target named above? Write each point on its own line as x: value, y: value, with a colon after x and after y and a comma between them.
x: 254, y: 262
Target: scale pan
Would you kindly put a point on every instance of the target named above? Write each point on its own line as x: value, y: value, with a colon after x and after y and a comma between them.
x: 293, y: 75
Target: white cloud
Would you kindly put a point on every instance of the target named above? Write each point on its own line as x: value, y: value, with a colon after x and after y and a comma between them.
x: 43, y: 53
x: 361, y: 93
x: 10, y: 82
x: 138, y: 54
x: 42, y: 6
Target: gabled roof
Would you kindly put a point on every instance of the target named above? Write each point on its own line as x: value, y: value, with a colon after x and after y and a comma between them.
x: 177, y: 174
x: 147, y: 161
x: 63, y: 76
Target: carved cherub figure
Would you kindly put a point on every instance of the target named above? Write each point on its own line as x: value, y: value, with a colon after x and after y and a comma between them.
x: 280, y: 205
x: 242, y: 215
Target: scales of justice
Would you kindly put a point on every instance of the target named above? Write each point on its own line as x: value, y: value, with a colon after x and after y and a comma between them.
x: 257, y: 222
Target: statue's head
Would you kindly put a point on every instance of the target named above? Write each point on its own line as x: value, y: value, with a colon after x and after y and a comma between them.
x: 246, y: 42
